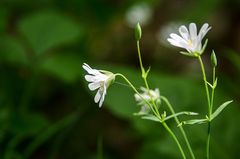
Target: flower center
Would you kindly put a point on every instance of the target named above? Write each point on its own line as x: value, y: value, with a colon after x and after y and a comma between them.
x: 190, y: 44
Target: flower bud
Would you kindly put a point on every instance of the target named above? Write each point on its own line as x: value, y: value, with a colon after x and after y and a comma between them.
x: 213, y: 59
x: 138, y: 32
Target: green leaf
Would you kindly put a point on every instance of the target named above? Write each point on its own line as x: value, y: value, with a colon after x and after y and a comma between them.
x: 151, y: 117
x: 194, y: 121
x: 66, y: 66
x: 154, y: 118
x: 180, y: 113
x: 146, y: 73
x: 187, y: 53
x: 210, y: 84
x: 11, y: 50
x: 220, y: 109
x: 47, y: 30
x: 215, y: 83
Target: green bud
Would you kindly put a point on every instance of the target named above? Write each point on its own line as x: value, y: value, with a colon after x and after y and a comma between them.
x: 213, y: 59
x: 138, y: 32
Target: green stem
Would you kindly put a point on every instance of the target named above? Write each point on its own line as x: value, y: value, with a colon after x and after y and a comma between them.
x: 140, y: 60
x: 206, y: 85
x: 209, y: 107
x: 175, y: 139
x: 209, y: 123
x: 181, y: 128
x: 213, y: 89
x: 208, y: 140
x: 156, y: 112
x: 145, y: 77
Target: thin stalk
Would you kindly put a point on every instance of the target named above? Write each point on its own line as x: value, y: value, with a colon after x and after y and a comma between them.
x: 213, y: 89
x: 209, y: 123
x: 181, y: 128
x: 140, y: 59
x: 145, y: 77
x: 175, y: 139
x: 209, y: 108
x: 208, y: 140
x: 156, y: 112
x: 205, y: 83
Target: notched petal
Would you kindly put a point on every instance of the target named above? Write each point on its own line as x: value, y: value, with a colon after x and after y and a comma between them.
x: 97, y: 96
x: 89, y: 78
x: 93, y: 86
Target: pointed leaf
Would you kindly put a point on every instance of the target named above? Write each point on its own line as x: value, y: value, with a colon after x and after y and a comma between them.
x: 215, y: 83
x: 210, y: 84
x: 186, y: 53
x: 146, y: 73
x: 64, y: 66
x: 220, y: 109
x: 151, y: 117
x: 194, y: 121
x: 47, y: 30
x: 180, y: 113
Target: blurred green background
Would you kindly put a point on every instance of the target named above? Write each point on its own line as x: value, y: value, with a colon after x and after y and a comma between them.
x: 46, y: 109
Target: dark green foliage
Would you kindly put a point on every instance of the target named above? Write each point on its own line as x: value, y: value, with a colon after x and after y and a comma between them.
x: 47, y: 111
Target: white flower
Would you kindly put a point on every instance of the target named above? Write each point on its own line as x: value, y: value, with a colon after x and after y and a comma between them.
x: 189, y: 39
x: 98, y: 80
x: 147, y: 96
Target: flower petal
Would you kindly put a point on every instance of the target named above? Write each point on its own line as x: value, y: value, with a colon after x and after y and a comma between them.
x: 184, y: 32
x: 137, y: 97
x: 177, y: 37
x: 203, y: 31
x: 176, y: 43
x: 145, y: 90
x: 196, y: 43
x: 90, y: 78
x: 144, y: 109
x: 103, y: 96
x: 97, y: 96
x: 93, y: 86
x: 90, y: 70
x: 86, y: 67
x: 193, y: 31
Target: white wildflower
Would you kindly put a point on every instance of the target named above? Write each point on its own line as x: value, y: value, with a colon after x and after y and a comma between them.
x: 100, y: 80
x: 147, y: 96
x: 189, y: 39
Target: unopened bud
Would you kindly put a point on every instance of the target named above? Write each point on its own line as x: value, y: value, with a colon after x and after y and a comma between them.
x: 213, y: 59
x: 138, y: 32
